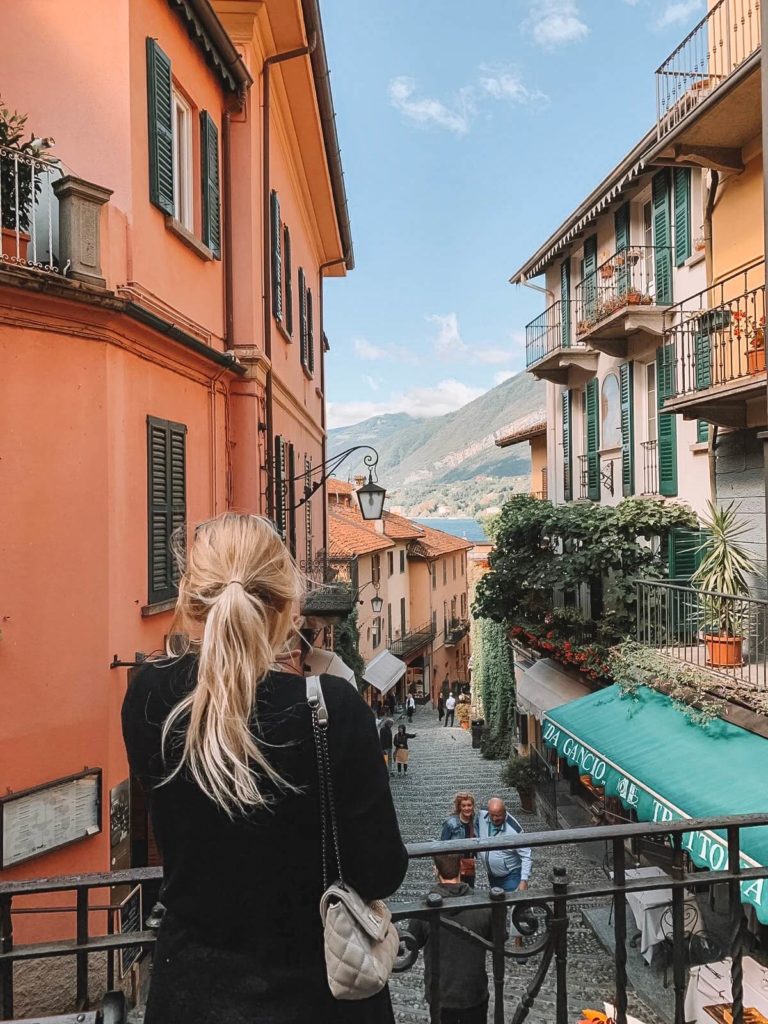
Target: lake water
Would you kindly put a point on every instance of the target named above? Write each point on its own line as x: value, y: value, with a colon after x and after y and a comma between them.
x: 469, y: 529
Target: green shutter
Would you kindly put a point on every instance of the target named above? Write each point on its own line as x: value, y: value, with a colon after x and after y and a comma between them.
x: 160, y: 112
x: 277, y: 262
x: 291, y: 507
x: 280, y: 485
x: 567, y: 450
x: 621, y: 227
x: 626, y: 386
x: 682, y: 215
x: 303, y: 323
x: 702, y: 360
x: 662, y: 238
x: 209, y: 150
x: 589, y: 285
x: 593, y: 440
x: 565, y: 303
x: 308, y: 528
x: 167, y: 503
x: 667, y: 423
x: 288, y: 275
x: 702, y: 431
x: 685, y: 555
x: 310, y: 333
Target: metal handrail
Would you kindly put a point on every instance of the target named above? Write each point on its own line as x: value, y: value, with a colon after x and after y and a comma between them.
x: 650, y: 466
x: 626, y: 278
x: 29, y: 210
x: 548, y: 332
x: 412, y: 640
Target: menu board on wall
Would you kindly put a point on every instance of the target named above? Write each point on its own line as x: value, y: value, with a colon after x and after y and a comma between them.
x: 35, y: 821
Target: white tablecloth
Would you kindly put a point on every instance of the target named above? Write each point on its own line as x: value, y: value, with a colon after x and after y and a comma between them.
x: 648, y: 909
x: 711, y: 984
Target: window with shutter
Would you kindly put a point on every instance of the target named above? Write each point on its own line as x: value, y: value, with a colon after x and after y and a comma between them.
x: 702, y: 360
x: 702, y: 431
x: 403, y: 629
x: 682, y: 214
x: 684, y: 553
x: 621, y: 227
x: 402, y: 561
x: 209, y: 150
x: 290, y: 511
x: 565, y: 303
x: 160, y: 112
x: 667, y: 423
x: 310, y: 334
x: 308, y: 538
x: 567, y: 452
x: 288, y: 280
x: 593, y: 440
x: 626, y: 386
x: 277, y: 257
x: 167, y: 503
x: 280, y: 485
x: 303, y: 317
x: 590, y: 277
x: 389, y: 623
x: 662, y: 237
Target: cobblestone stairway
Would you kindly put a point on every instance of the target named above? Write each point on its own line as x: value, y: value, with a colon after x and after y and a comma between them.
x: 442, y: 762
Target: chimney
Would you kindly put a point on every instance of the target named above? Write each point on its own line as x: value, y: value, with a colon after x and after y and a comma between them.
x: 359, y: 481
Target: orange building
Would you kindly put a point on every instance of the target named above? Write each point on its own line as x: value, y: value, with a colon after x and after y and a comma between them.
x: 161, y: 312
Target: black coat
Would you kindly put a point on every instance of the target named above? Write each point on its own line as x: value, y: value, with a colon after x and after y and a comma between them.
x: 385, y: 735
x: 242, y: 940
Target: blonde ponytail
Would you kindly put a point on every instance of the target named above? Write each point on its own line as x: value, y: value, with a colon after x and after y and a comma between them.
x: 236, y: 598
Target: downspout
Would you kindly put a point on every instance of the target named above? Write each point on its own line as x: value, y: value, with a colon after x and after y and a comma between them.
x: 537, y: 288
x: 323, y: 267
x: 714, y: 182
x: 278, y: 58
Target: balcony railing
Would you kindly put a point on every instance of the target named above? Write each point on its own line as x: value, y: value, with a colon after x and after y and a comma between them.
x: 626, y: 279
x: 541, y: 917
x: 548, y: 332
x: 721, y: 42
x: 455, y: 631
x: 331, y: 585
x: 543, y: 494
x: 413, y: 640
x: 583, y: 476
x: 724, y: 635
x: 650, y: 467
x: 718, y: 335
x: 29, y: 214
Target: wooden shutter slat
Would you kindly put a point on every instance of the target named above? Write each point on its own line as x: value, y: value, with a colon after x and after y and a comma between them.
x: 565, y: 303
x: 682, y: 215
x: 593, y: 441
x: 662, y: 238
x: 308, y: 527
x: 702, y: 354
x: 667, y: 422
x: 160, y: 115
x: 303, y: 316
x: 626, y: 386
x: 567, y: 453
x: 291, y: 509
x: 167, y: 499
x: 288, y: 276
x: 209, y: 151
x: 590, y: 276
x: 277, y: 268
x: 621, y: 228
x: 310, y: 333
x: 280, y: 454
x: 702, y: 431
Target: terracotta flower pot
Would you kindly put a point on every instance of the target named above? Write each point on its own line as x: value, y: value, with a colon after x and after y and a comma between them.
x: 755, y: 360
x: 9, y: 245
x: 606, y: 272
x: 724, y: 651
x: 633, y: 298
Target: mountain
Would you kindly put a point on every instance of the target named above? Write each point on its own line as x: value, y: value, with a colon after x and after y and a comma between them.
x: 448, y: 464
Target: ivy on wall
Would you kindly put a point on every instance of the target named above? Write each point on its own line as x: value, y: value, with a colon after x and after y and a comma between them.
x: 494, y: 682
x: 346, y: 643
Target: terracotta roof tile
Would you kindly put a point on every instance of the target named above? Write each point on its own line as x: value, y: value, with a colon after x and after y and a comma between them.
x: 337, y: 487
x: 346, y: 537
x: 437, y: 542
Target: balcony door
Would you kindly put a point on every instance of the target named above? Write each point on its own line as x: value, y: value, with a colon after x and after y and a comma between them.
x: 649, y: 261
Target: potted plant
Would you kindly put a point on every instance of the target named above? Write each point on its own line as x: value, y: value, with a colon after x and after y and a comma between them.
x: 519, y: 774
x: 606, y: 271
x: 753, y: 330
x: 18, y: 185
x: 724, y: 574
x: 634, y: 297
x: 463, y: 712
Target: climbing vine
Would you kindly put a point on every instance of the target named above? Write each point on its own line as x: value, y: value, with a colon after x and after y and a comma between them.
x: 494, y: 680
x: 346, y: 643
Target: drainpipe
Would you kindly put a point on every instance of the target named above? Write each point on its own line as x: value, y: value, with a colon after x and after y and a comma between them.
x: 537, y: 288
x: 714, y: 182
x: 278, y: 58
x: 323, y: 267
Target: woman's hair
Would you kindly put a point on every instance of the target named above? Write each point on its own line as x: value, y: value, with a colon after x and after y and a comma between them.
x: 401, y: 728
x: 459, y: 799
x: 236, y: 600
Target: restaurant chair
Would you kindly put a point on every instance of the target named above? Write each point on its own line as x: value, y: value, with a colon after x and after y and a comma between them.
x: 698, y: 946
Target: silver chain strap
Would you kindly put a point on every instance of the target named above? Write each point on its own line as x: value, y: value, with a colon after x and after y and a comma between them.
x: 327, y: 802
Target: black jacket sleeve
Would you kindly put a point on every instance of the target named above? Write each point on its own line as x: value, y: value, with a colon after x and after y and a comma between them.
x: 374, y: 859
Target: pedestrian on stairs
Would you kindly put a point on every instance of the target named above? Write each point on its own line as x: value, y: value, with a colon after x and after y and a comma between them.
x: 410, y: 707
x: 450, y: 709
x: 385, y: 736
x: 401, y: 748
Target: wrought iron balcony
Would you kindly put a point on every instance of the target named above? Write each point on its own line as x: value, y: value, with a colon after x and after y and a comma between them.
x: 718, y: 633
x: 716, y: 345
x: 331, y: 586
x: 29, y: 211
x: 542, y: 916
x: 455, y: 631
x: 549, y: 346
x: 412, y: 641
x: 722, y: 43
x: 583, y: 476
x: 650, y: 466
x: 623, y: 296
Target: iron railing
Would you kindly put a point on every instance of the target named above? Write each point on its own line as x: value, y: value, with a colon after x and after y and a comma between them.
x: 718, y: 335
x: 721, y: 42
x: 544, y: 484
x: 541, y: 915
x: 650, y: 466
x: 583, y: 476
x: 455, y: 631
x: 29, y: 211
x: 719, y: 633
x: 411, y: 641
x: 627, y: 278
x: 331, y: 585
x: 549, y: 331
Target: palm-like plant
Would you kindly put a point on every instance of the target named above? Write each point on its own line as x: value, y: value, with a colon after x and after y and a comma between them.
x: 726, y: 567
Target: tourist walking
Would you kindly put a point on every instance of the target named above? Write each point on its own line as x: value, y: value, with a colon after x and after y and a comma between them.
x: 450, y: 709
x: 410, y: 707
x: 463, y: 824
x: 507, y: 869
x: 223, y: 746
x: 463, y: 976
x: 385, y: 738
x: 391, y: 703
x: 401, y: 748
x: 440, y: 707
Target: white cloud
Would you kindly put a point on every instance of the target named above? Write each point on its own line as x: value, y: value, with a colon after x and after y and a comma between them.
x: 365, y: 350
x: 449, y: 344
x: 506, y: 84
x: 490, y: 355
x: 374, y: 383
x: 679, y: 12
x: 446, y: 396
x: 554, y: 23
x: 502, y: 375
x: 429, y: 112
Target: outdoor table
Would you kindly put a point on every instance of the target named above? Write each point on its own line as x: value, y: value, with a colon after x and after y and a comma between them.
x: 711, y: 984
x: 648, y: 909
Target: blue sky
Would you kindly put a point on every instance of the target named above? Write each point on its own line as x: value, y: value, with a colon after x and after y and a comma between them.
x: 468, y: 132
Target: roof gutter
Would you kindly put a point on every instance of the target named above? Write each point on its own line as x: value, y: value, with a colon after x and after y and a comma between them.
x: 226, y: 359
x: 219, y: 37
x: 321, y: 75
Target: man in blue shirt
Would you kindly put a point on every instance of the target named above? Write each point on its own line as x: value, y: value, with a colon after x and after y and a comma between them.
x: 507, y: 869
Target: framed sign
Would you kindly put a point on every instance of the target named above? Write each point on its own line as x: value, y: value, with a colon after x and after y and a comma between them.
x: 47, y: 817
x: 129, y: 919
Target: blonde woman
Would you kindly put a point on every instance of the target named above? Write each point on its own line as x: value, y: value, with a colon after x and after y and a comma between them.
x: 463, y: 824
x: 222, y: 742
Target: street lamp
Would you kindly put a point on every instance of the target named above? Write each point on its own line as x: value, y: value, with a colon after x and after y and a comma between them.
x: 377, y: 603
x: 370, y: 496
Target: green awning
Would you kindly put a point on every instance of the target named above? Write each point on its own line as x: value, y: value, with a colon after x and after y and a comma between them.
x: 649, y: 755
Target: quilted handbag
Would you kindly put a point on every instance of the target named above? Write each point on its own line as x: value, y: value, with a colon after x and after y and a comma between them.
x: 361, y: 942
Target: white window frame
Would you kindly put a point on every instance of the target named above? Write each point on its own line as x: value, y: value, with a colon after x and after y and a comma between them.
x: 651, y: 403
x: 183, y: 162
